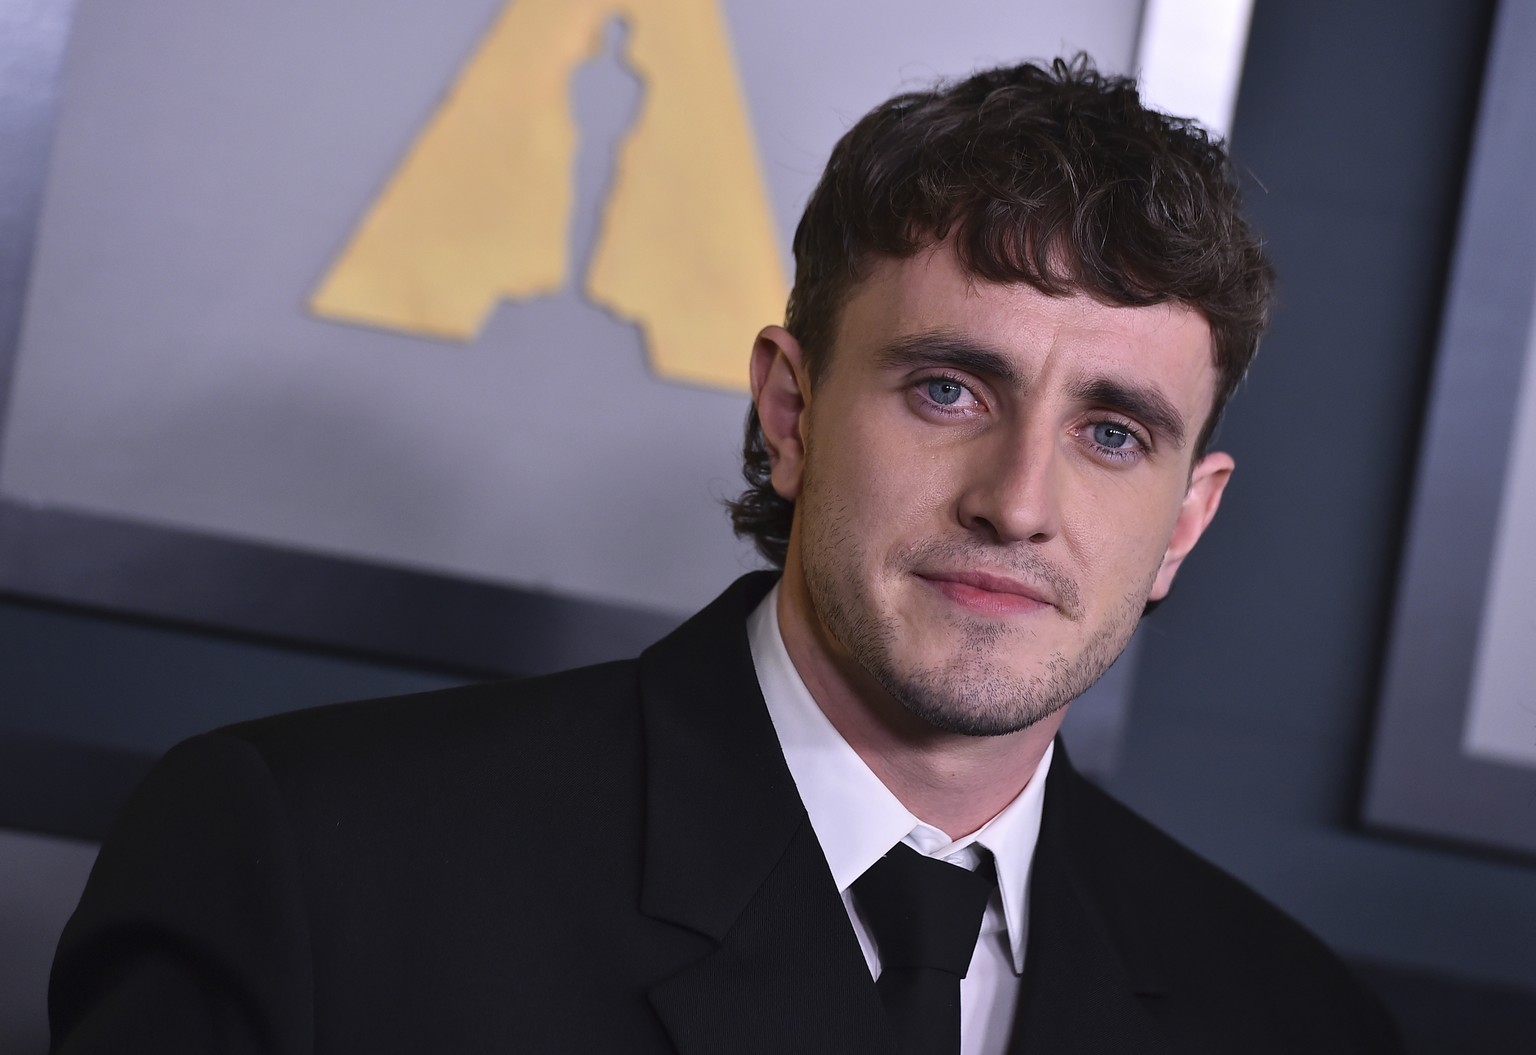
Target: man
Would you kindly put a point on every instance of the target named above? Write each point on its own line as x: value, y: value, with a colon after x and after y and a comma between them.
x: 978, y: 452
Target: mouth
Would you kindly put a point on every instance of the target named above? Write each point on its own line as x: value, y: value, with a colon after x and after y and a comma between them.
x: 987, y: 594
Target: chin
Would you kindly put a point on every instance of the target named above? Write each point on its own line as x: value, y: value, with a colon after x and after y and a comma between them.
x: 982, y: 703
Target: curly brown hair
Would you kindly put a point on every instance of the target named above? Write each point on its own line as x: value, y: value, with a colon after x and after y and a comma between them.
x: 1056, y: 176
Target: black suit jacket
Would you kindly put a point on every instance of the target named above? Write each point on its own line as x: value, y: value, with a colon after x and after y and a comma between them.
x: 614, y: 859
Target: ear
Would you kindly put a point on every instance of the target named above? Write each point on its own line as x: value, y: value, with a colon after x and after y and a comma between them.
x: 1206, y: 484
x: 782, y: 394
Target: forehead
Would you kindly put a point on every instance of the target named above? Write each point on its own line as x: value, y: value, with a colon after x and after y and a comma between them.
x: 1046, y: 340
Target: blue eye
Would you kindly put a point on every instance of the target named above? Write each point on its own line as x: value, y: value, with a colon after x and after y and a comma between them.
x: 1110, y: 435
x: 945, y: 393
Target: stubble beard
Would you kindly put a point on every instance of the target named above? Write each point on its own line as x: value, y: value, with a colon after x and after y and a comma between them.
x: 973, y: 692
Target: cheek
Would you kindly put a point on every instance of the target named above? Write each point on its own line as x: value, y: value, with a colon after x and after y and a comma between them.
x: 1118, y: 534
x: 886, y: 486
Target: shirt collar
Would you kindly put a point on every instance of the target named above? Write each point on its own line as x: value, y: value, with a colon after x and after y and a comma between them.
x: 855, y: 816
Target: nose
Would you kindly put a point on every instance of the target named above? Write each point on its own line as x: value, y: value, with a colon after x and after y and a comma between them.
x: 1011, y: 493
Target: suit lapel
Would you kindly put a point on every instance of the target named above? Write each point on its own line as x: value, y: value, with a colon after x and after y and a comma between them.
x: 730, y: 854
x: 1082, y: 993
x: 788, y: 976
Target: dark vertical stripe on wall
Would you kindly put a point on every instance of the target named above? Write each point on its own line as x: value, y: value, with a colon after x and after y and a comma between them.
x: 1257, y: 684
x: 1353, y: 123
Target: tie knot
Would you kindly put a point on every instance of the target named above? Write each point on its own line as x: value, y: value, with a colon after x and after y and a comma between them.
x: 923, y: 912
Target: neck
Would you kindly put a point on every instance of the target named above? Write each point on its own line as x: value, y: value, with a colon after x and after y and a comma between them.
x: 955, y: 782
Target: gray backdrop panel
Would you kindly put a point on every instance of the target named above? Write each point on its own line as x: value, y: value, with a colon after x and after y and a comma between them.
x: 1422, y: 780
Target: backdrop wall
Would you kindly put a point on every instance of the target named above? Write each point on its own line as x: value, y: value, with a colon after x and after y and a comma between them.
x: 1255, y: 689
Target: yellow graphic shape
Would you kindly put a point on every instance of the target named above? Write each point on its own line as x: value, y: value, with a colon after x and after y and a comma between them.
x: 481, y: 207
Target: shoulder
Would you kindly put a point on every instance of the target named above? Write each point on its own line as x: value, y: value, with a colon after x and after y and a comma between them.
x: 587, y: 710
x: 1222, y: 952
x: 402, y: 763
x: 579, y: 705
x: 1107, y: 836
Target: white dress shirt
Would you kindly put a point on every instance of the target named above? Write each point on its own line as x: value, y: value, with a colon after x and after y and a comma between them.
x: 857, y: 819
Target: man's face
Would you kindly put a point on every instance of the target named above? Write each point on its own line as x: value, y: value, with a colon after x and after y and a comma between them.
x: 990, y: 483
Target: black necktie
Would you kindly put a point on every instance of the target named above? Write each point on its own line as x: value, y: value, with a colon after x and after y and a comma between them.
x: 924, y: 915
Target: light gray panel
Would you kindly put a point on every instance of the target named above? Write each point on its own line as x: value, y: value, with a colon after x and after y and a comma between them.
x: 210, y: 161
x: 1501, y: 713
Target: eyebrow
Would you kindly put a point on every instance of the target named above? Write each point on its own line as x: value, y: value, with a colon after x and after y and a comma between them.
x: 941, y: 348
x: 1142, y: 402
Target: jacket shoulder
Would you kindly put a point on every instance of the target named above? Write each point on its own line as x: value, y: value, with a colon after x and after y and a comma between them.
x: 1222, y: 951
x: 582, y: 707
x: 514, y: 756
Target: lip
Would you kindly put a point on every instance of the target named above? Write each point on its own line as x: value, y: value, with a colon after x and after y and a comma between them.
x: 987, y: 593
